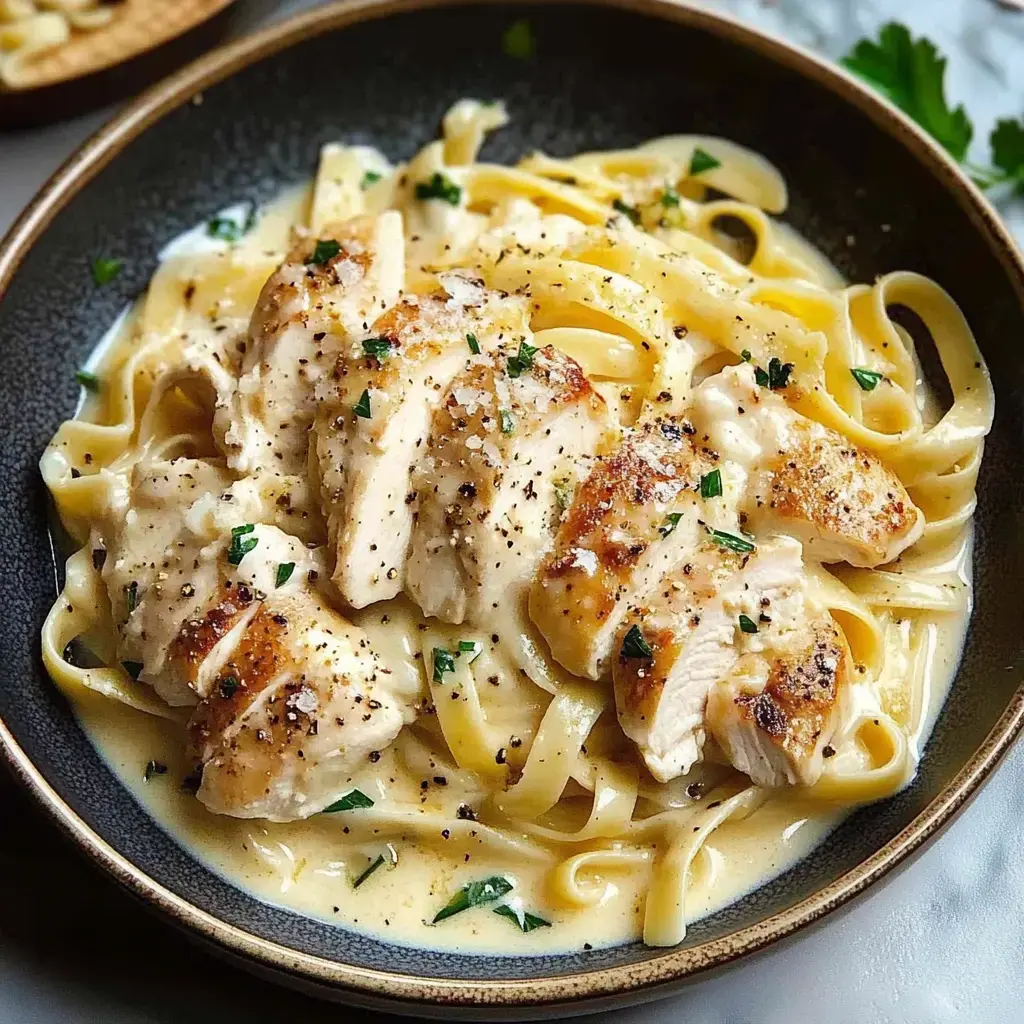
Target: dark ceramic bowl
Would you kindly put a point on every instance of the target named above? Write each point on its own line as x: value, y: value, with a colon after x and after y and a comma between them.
x: 604, y: 76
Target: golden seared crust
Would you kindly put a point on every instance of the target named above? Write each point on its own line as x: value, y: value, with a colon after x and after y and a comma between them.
x: 842, y: 490
x: 800, y: 698
x: 198, y: 636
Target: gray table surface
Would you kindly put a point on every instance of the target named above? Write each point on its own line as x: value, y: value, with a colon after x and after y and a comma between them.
x: 943, y: 941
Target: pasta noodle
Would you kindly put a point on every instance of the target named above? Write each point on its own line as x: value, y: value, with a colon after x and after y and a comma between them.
x: 510, y: 764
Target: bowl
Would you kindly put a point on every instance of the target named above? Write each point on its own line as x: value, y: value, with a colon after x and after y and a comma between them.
x: 867, y: 187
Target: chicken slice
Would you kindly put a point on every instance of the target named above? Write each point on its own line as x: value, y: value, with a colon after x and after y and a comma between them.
x: 374, y: 414
x: 491, y: 486
x: 695, y: 634
x: 775, y: 715
x: 328, y: 289
x: 805, y: 479
x: 637, y: 515
x: 296, y: 708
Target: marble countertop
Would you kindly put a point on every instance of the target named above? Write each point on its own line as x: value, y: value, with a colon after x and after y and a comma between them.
x: 943, y: 941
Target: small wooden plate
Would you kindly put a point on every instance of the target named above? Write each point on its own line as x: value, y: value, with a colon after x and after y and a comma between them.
x: 139, y: 27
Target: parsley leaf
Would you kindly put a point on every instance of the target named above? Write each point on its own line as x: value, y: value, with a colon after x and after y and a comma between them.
x: 88, y: 380
x: 324, y: 250
x: 731, y: 541
x: 630, y: 211
x: 284, y: 573
x: 523, y: 918
x: 518, y: 41
x: 239, y: 548
x: 131, y: 596
x: 369, y: 871
x: 474, y: 345
x: 471, y: 647
x: 474, y: 894
x: 230, y: 229
x: 711, y: 484
x: 228, y: 686
x: 443, y: 662
x: 379, y: 348
x: 867, y: 379
x: 671, y: 522
x: 369, y: 178
x: 747, y: 624
x: 351, y: 801
x: 1007, y: 141
x: 702, y: 161
x: 508, y: 422
x: 362, y: 407
x: 670, y: 197
x: 439, y: 187
x: 105, y: 270
x: 910, y: 73
x: 777, y: 376
x: 634, y: 645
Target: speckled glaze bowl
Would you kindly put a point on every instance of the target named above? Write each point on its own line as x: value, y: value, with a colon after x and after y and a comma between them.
x: 606, y: 74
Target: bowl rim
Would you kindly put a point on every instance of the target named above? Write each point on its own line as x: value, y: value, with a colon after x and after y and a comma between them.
x: 585, y: 989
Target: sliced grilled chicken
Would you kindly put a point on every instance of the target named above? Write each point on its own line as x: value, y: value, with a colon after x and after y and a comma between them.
x: 297, y: 706
x: 500, y: 459
x: 694, y: 632
x: 374, y: 415
x: 637, y: 515
x: 805, y: 479
x: 775, y: 715
x: 328, y: 289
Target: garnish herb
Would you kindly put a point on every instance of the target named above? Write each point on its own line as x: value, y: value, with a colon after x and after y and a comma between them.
x: 522, y: 360
x: 746, y: 356
x: 369, y: 178
x: 630, y: 211
x: 471, y: 647
x: 508, y: 423
x: 133, y: 668
x: 369, y: 871
x: 228, y: 229
x: 526, y: 921
x: 474, y: 894
x: 105, y: 270
x: 671, y: 522
x: 747, y: 624
x: 711, y: 484
x: 324, y: 250
x: 670, y: 197
x: 439, y: 187
x: 634, y: 645
x: 518, y: 41
x: 911, y: 74
x: 867, y: 379
x: 702, y: 161
x: 239, y: 548
x: 228, y: 686
x: 351, y: 801
x: 379, y: 348
x: 153, y: 768
x: 362, y: 407
x: 88, y: 380
x: 777, y: 376
x: 564, y: 491
x: 131, y: 596
x: 474, y: 345
x: 731, y: 541
x: 284, y: 573
x: 443, y: 662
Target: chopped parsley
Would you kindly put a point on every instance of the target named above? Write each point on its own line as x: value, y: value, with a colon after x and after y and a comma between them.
x: 229, y: 229
x: 711, y: 484
x: 522, y: 360
x: 526, y: 921
x: 324, y: 250
x: 634, y: 645
x: 629, y: 211
x: 284, y: 573
x: 362, y: 407
x: 443, y: 662
x: 369, y: 178
x: 88, y: 380
x: 351, y: 801
x: 131, y: 596
x: 867, y: 379
x: 702, y: 161
x: 474, y: 345
x: 746, y: 356
x: 228, y: 686
x: 747, y: 624
x: 474, y: 894
x: 777, y: 376
x: 133, y: 668
x: 518, y: 41
x: 105, y: 270
x: 239, y: 548
x: 153, y: 768
x: 369, y: 871
x: 670, y: 197
x: 379, y: 348
x: 439, y: 187
x: 671, y: 522
x: 731, y: 541
x: 471, y: 647
x: 508, y: 423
